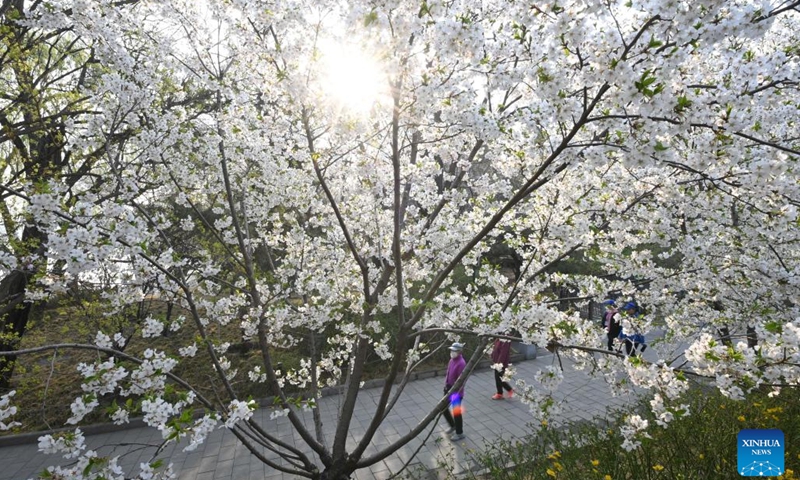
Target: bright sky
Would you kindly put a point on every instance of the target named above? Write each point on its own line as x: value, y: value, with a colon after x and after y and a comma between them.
x: 351, y: 77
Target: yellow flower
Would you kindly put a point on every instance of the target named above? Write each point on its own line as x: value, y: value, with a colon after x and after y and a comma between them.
x: 741, y: 418
x: 595, y: 463
x: 555, y: 455
x: 544, y: 423
x: 701, y: 456
x: 658, y: 468
x: 551, y: 473
x: 607, y: 477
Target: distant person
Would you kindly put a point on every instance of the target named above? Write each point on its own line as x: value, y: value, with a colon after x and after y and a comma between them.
x: 454, y: 369
x: 500, y: 355
x: 752, y: 337
x: 612, y: 326
x: 608, y: 305
x: 633, y: 341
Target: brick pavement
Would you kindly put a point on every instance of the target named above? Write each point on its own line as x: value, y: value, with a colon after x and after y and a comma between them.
x: 222, y: 458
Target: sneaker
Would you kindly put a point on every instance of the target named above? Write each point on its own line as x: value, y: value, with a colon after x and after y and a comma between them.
x: 510, y: 393
x: 497, y: 396
x: 457, y: 436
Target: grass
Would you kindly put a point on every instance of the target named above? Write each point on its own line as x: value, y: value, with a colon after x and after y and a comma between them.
x: 701, y: 446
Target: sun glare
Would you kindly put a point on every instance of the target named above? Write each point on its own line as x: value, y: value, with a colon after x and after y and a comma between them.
x: 351, y: 78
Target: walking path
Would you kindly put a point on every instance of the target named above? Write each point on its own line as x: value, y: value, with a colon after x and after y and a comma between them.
x: 221, y: 457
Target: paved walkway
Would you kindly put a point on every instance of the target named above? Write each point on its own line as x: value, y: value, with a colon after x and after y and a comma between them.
x: 222, y: 458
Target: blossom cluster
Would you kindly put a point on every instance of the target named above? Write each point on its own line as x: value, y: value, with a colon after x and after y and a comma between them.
x: 7, y: 410
x: 633, y: 431
x: 540, y: 395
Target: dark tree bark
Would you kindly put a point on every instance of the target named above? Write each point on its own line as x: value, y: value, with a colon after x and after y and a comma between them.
x: 14, y: 309
x: 13, y: 320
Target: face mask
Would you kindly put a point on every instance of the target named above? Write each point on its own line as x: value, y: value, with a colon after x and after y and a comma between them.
x: 454, y: 354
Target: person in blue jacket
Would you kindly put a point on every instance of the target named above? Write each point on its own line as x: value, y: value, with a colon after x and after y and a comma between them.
x: 634, y: 341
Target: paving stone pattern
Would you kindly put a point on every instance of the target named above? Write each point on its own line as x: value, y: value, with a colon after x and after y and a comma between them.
x: 221, y: 457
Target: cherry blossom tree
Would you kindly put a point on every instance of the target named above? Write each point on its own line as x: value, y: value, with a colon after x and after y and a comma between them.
x: 657, y: 139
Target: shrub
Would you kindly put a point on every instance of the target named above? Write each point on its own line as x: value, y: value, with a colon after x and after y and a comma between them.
x: 700, y: 446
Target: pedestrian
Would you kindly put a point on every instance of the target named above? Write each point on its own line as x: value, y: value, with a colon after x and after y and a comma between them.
x: 633, y: 340
x: 500, y: 355
x: 613, y: 328
x: 454, y: 369
x: 608, y: 305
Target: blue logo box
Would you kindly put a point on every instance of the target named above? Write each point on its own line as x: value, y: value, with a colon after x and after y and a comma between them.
x: 760, y: 453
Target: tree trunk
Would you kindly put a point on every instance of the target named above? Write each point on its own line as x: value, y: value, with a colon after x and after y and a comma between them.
x: 13, y: 320
x: 336, y: 472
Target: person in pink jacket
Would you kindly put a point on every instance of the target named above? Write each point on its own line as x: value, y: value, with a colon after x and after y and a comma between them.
x: 454, y: 369
x: 500, y: 354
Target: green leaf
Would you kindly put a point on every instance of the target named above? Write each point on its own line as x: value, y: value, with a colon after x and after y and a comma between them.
x: 371, y: 17
x: 774, y: 327
x: 645, y: 81
x: 88, y: 468
x: 424, y: 9
x: 543, y: 76
x: 635, y: 360
x: 186, y: 416
x: 683, y: 104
